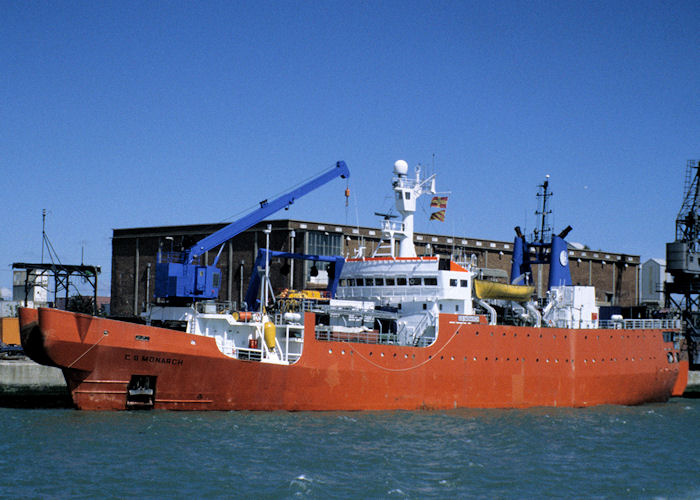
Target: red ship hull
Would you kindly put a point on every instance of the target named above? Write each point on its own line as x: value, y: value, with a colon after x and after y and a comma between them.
x: 470, y: 365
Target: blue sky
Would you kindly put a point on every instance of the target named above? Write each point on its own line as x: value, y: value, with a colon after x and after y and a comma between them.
x: 132, y: 114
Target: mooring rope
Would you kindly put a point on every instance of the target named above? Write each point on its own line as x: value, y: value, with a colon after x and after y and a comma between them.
x: 410, y: 367
x: 88, y: 350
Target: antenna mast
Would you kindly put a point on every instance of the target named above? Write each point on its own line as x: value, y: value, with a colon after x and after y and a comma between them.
x: 43, y: 232
x: 544, y: 232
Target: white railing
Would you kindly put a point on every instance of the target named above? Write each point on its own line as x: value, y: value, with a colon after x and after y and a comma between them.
x: 637, y: 324
x: 356, y: 336
x: 403, y: 291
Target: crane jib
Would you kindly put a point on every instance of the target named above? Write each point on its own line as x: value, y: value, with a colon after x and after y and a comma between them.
x: 191, y: 281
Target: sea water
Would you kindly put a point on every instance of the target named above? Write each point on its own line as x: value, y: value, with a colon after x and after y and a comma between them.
x: 648, y: 451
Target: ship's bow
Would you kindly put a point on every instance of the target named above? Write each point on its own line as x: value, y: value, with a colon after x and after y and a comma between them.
x: 32, y: 338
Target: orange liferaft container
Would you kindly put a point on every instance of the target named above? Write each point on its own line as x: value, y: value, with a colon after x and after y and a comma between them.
x: 9, y: 331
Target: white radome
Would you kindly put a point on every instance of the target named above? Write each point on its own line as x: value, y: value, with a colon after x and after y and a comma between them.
x: 400, y: 167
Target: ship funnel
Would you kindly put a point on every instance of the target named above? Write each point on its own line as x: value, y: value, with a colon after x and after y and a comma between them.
x: 521, y: 264
x: 559, y: 272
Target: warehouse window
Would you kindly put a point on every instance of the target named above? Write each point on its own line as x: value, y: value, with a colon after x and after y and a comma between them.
x: 321, y: 243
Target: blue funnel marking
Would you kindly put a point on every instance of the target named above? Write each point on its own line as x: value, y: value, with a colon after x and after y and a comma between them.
x: 559, y: 272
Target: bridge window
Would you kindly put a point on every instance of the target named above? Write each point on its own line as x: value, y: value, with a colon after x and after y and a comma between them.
x: 401, y: 281
x: 430, y: 281
x: 369, y: 281
x: 414, y: 281
x: 464, y: 283
x: 378, y: 281
x: 453, y: 282
x: 390, y: 281
x: 360, y: 282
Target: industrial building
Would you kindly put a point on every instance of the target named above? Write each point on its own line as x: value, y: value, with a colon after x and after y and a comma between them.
x: 136, y: 251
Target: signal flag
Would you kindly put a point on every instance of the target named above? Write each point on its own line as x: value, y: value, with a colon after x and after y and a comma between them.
x: 439, y: 215
x: 439, y: 202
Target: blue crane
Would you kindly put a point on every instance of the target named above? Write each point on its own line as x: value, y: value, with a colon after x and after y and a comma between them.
x: 188, y: 280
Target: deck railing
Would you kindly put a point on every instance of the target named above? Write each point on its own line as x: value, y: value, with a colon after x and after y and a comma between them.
x: 635, y: 324
x: 362, y: 337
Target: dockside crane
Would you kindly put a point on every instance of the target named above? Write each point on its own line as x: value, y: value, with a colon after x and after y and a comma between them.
x: 683, y: 263
x: 184, y: 279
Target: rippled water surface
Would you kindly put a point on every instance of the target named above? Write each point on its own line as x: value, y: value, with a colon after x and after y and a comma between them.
x: 649, y: 451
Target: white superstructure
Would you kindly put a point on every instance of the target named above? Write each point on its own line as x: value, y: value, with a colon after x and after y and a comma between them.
x: 406, y: 192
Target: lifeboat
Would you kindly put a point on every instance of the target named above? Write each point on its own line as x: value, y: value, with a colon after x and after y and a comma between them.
x: 493, y: 290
